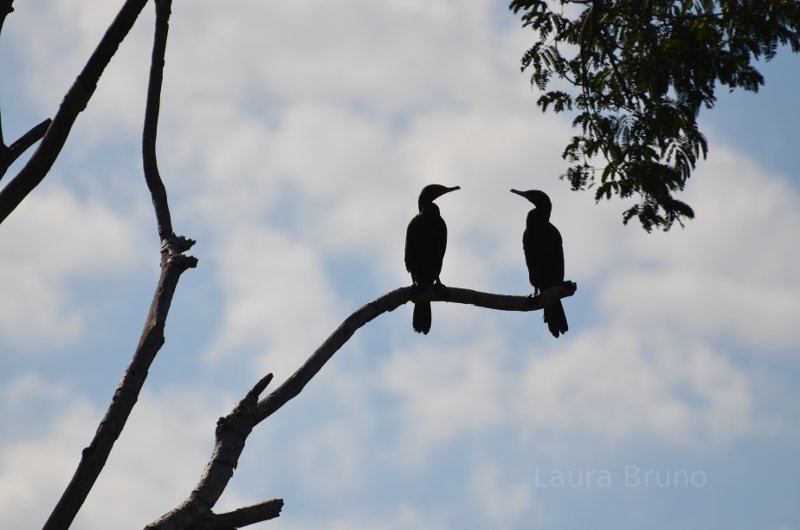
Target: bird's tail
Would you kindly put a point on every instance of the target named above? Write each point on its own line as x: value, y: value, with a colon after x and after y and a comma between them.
x: 422, y: 317
x: 556, y: 319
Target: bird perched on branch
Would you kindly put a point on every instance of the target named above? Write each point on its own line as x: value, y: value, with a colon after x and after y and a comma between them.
x: 544, y: 256
x: 426, y: 241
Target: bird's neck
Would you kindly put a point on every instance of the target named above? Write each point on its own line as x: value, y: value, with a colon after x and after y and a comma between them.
x: 539, y: 215
x: 428, y: 208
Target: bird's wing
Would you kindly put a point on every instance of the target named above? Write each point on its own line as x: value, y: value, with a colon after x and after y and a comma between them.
x: 412, y: 250
x: 557, y: 246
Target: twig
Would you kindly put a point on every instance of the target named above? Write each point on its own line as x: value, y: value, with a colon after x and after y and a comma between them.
x: 257, y: 513
x: 9, y: 154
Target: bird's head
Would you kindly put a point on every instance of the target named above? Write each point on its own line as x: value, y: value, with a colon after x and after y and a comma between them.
x: 433, y: 191
x: 539, y: 199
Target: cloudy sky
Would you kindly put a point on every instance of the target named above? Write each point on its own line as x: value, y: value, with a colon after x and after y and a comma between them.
x: 294, y: 140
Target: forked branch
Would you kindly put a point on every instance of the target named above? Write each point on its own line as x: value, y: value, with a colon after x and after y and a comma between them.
x: 232, y: 430
x: 10, y: 153
x: 173, y: 264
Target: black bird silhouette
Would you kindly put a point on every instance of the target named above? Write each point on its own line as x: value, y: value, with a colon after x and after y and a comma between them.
x: 426, y: 241
x: 544, y: 256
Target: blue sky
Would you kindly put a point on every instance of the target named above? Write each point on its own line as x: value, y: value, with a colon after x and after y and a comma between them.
x: 294, y: 140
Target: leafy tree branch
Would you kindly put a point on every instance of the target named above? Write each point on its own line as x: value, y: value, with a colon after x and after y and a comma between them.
x: 642, y: 71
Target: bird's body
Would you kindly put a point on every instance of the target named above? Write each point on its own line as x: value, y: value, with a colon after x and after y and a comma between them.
x: 426, y: 242
x: 544, y: 256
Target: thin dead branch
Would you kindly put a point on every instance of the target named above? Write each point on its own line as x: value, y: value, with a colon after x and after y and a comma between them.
x: 151, y: 174
x: 245, y: 516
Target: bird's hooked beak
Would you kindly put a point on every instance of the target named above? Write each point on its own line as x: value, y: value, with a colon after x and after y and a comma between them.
x: 525, y: 194
x: 531, y: 195
x: 448, y: 190
x: 538, y: 198
x: 433, y: 191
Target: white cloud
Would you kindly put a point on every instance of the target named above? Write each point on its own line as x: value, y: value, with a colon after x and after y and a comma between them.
x: 363, y: 51
x: 443, y: 394
x: 51, y: 239
x: 158, y: 459
x: 53, y: 42
x: 402, y: 518
x: 277, y: 300
x: 618, y: 385
x: 332, y: 455
x: 35, y: 470
x: 730, y: 274
x: 154, y: 464
x: 501, y: 499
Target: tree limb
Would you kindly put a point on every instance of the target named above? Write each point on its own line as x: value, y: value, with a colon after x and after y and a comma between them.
x: 73, y: 104
x: 173, y: 264
x: 232, y: 430
x: 231, y: 433
x: 94, y: 457
x: 151, y: 174
x: 389, y: 302
x: 245, y: 516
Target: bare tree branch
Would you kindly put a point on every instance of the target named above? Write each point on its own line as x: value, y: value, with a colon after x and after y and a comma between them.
x: 9, y: 154
x: 151, y: 173
x: 232, y: 430
x: 94, y: 457
x: 173, y: 264
x: 74, y: 102
x: 245, y: 516
x: 389, y: 302
x: 231, y: 433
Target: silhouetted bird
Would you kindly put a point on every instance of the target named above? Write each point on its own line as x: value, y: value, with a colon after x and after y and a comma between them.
x: 426, y: 240
x: 544, y: 256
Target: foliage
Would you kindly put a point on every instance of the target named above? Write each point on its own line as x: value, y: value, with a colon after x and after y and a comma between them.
x: 637, y: 74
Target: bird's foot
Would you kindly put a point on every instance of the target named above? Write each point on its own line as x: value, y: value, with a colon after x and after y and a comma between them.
x: 534, y: 296
x: 438, y: 287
